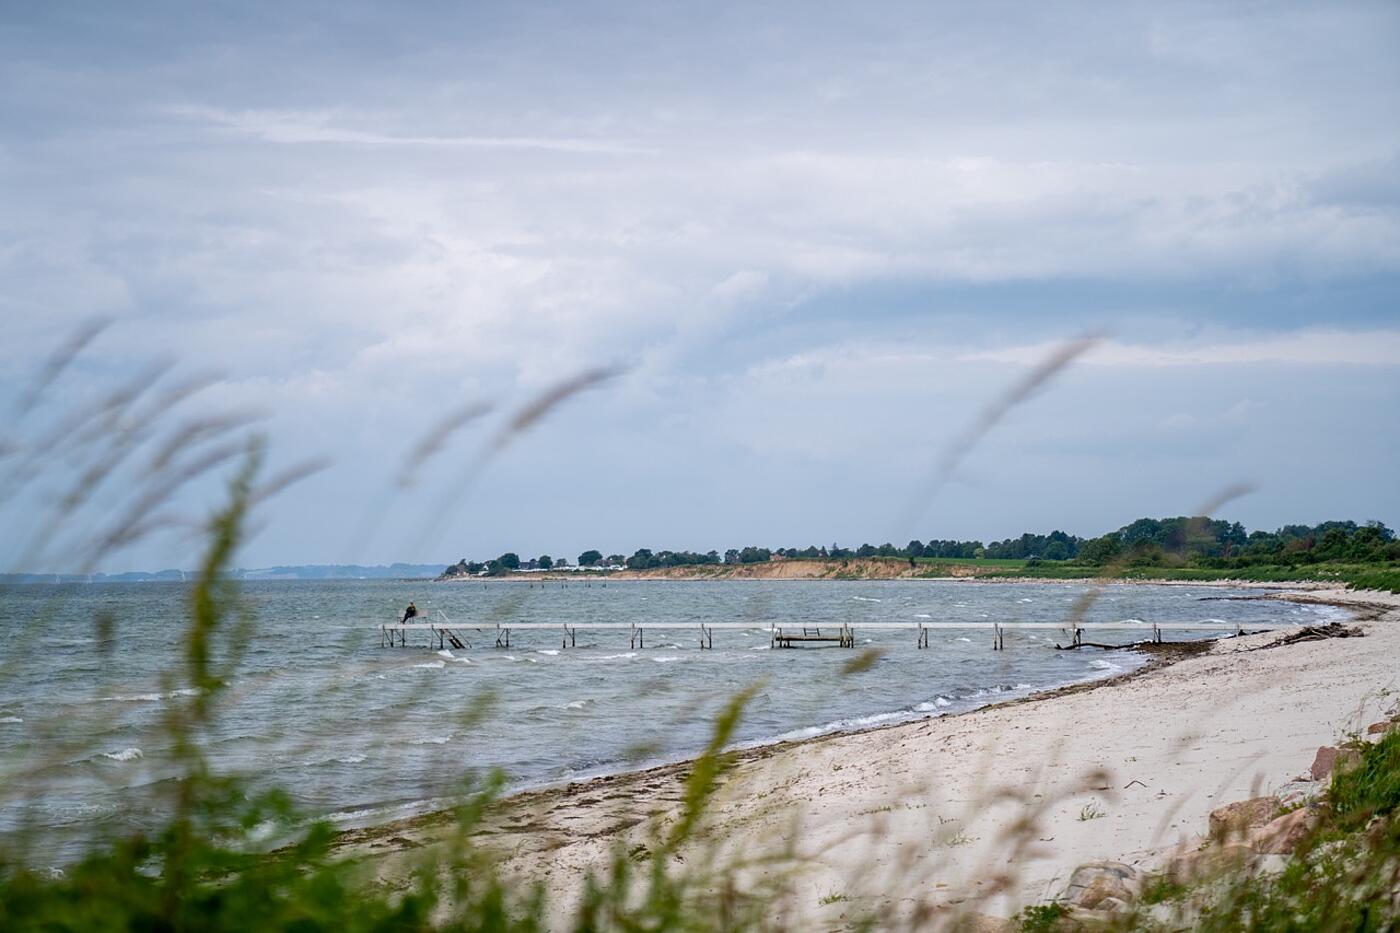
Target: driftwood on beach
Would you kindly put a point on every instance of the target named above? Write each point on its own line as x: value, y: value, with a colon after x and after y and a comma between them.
x: 1317, y: 633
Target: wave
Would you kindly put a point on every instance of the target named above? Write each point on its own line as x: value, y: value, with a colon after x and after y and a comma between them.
x: 576, y: 704
x: 126, y: 754
x: 431, y: 666
x: 1104, y: 666
x: 550, y: 652
x: 858, y: 723
x: 614, y: 657
x: 431, y: 740
x: 373, y: 815
x: 10, y: 719
x: 149, y: 697
x: 351, y: 759
x: 868, y: 599
x: 666, y: 658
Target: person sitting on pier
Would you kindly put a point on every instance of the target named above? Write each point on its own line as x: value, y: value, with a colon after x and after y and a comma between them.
x: 409, y: 613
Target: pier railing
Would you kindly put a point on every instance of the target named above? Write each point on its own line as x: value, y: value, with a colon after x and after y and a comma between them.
x: 446, y: 633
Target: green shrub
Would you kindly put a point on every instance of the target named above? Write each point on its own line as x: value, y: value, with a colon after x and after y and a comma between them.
x: 1042, y: 918
x: 1371, y: 788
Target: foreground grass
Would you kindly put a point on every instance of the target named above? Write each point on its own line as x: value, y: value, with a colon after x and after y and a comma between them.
x: 203, y: 869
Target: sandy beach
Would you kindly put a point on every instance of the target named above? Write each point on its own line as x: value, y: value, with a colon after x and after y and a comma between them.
x: 935, y: 812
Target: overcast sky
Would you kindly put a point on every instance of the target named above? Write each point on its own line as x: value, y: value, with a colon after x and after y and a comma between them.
x: 819, y: 239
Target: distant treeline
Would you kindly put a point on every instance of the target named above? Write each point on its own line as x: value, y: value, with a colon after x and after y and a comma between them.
x: 1207, y: 542
x: 1199, y: 541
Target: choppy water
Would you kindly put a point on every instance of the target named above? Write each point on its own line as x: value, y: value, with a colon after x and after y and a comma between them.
x: 362, y: 733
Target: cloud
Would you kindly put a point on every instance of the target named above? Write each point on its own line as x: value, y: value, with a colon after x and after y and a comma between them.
x: 818, y: 237
x: 309, y: 128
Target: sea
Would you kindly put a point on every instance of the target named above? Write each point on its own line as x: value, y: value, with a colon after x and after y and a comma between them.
x: 359, y: 733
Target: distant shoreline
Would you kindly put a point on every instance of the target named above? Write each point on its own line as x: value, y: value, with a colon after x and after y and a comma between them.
x: 866, y: 569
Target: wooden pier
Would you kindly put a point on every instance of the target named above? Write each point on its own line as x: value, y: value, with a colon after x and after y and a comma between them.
x: 445, y: 633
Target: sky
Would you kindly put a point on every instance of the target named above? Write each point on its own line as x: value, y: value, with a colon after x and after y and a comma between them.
x: 817, y: 242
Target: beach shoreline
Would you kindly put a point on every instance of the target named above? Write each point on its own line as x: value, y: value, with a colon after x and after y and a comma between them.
x: 559, y: 832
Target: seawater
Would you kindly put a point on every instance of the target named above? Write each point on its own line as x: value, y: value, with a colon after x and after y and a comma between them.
x: 359, y: 733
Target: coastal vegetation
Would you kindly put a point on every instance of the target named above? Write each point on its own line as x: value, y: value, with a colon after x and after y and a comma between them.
x: 1361, y: 555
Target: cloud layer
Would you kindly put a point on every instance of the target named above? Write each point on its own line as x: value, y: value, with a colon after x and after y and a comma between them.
x: 818, y: 241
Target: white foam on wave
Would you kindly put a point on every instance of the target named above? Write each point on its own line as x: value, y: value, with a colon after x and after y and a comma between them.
x: 10, y: 719
x: 575, y: 704
x: 150, y: 697
x: 616, y: 657
x: 867, y: 599
x: 922, y: 615
x: 126, y: 754
x: 760, y: 647
x: 665, y: 659
x: 551, y: 652
x: 351, y: 759
x: 446, y: 653
x: 1141, y: 622
x: 383, y: 814
x: 964, y: 638
x: 1103, y: 666
x: 853, y: 724
x: 432, y: 740
x: 1025, y: 599
x: 432, y: 666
